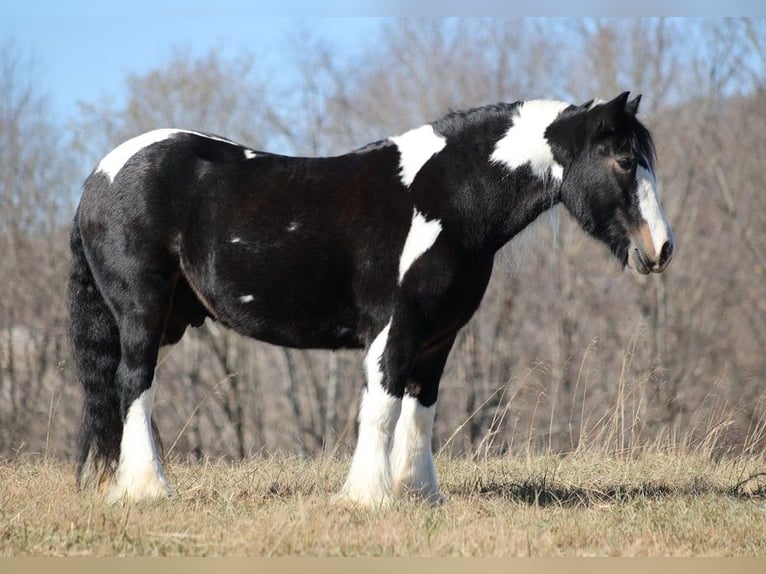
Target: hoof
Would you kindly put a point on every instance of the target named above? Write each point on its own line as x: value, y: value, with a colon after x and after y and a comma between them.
x: 148, y: 488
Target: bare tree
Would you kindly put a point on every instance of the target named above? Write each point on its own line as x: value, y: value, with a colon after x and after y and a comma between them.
x: 561, y: 337
x: 35, y: 173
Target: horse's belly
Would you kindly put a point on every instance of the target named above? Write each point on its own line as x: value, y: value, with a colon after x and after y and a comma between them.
x: 277, y: 297
x: 303, y: 326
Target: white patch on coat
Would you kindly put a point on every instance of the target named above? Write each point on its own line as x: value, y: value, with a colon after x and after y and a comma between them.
x: 651, y: 210
x: 116, y: 159
x: 369, y: 477
x: 249, y: 154
x: 525, y: 141
x: 416, y: 147
x: 139, y: 473
x: 293, y: 226
x: 236, y: 240
x: 420, y: 238
x: 246, y: 299
x: 412, y: 461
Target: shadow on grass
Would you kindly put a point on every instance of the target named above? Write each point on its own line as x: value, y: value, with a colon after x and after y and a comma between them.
x: 541, y: 492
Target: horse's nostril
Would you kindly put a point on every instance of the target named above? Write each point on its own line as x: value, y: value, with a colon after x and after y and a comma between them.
x: 665, y: 253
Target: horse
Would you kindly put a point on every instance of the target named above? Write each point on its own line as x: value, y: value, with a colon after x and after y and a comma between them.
x: 388, y: 248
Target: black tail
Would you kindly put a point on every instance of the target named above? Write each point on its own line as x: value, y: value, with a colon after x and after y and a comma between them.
x: 95, y: 350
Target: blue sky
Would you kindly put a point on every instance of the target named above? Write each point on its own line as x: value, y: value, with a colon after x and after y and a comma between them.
x: 83, y: 49
x: 86, y: 57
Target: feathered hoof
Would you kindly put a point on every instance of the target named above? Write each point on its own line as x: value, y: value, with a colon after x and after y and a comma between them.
x: 146, y: 488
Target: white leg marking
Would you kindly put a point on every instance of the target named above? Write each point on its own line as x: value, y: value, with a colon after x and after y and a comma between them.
x: 369, y: 477
x: 651, y: 211
x: 416, y: 147
x: 139, y: 473
x: 420, y: 238
x: 89, y: 473
x: 412, y: 460
x: 114, y: 161
x: 525, y: 141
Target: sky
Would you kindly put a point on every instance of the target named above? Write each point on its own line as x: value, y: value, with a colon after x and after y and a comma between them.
x: 82, y: 50
x: 86, y: 58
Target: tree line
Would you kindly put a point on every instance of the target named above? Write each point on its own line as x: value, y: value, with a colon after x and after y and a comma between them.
x: 566, y: 349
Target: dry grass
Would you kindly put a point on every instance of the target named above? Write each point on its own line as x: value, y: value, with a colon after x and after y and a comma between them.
x: 661, y: 502
x: 620, y: 493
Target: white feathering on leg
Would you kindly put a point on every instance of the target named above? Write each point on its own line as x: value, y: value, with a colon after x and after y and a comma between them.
x: 139, y: 474
x: 412, y: 460
x: 369, y: 477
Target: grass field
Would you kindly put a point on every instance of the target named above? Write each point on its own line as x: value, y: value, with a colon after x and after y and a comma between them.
x: 660, y: 502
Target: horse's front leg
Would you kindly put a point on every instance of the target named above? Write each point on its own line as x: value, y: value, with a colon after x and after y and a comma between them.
x: 412, y: 461
x: 387, y: 365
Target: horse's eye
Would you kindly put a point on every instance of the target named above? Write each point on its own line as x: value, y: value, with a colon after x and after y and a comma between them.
x: 625, y: 163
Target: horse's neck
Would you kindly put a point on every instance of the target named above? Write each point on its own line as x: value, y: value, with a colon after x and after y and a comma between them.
x: 518, y: 207
x: 494, y: 203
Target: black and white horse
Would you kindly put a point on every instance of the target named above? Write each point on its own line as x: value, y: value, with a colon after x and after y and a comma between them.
x: 388, y: 248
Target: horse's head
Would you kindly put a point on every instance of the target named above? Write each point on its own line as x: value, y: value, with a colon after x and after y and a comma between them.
x: 609, y: 182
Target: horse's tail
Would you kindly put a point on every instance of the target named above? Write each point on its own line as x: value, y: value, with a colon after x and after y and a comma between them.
x: 95, y: 350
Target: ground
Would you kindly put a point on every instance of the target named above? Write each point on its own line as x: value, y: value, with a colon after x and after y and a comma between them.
x: 583, y: 504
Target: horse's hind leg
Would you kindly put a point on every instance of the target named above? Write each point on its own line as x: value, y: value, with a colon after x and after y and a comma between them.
x: 142, y: 315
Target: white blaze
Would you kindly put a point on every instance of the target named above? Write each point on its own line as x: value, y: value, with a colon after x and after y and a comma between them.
x: 416, y: 147
x: 525, y: 142
x: 651, y: 211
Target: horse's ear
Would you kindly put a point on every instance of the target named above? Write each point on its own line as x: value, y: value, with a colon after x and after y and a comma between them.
x: 632, y: 106
x: 617, y: 105
x: 587, y: 105
x: 604, y: 117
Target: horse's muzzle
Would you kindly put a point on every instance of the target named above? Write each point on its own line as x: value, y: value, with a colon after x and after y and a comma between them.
x: 645, y: 261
